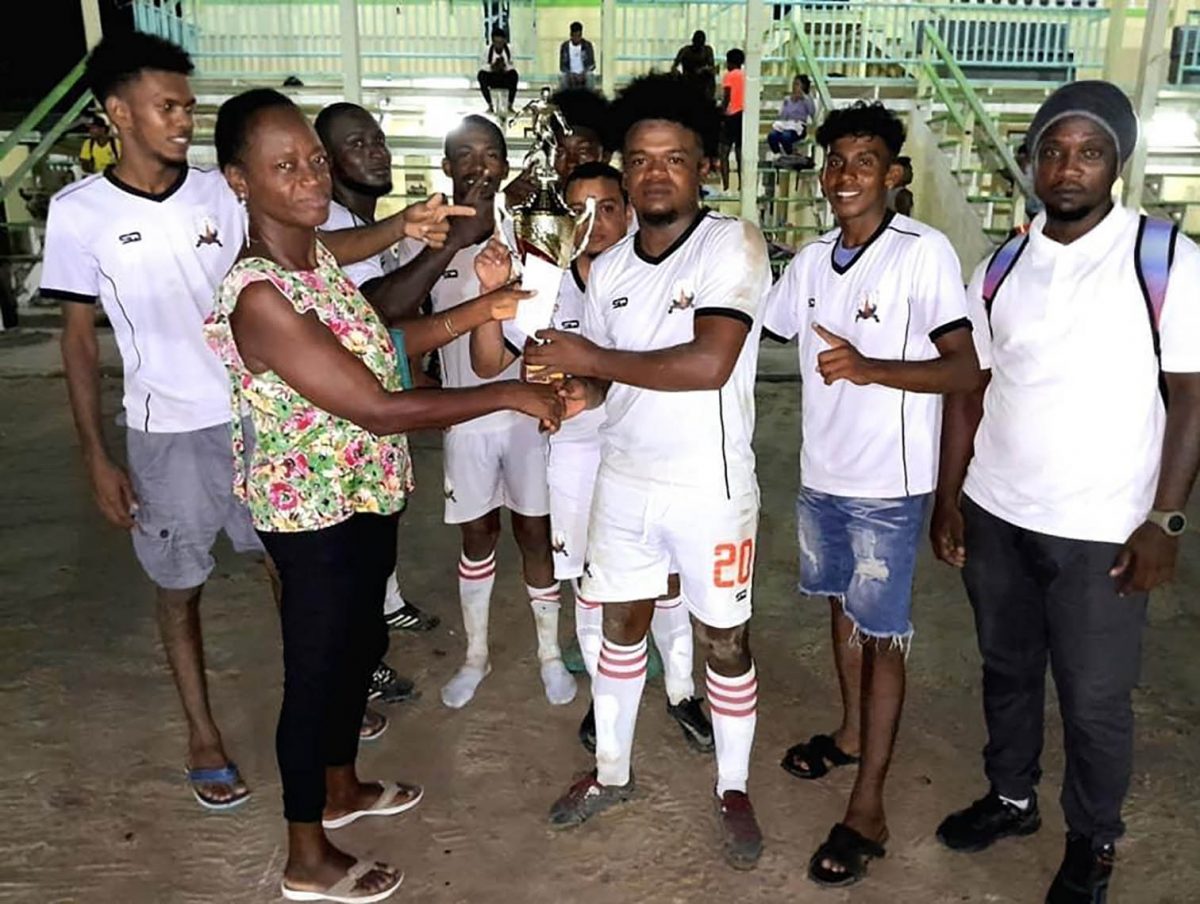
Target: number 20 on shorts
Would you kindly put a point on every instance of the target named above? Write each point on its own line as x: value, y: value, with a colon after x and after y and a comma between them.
x: 732, y: 563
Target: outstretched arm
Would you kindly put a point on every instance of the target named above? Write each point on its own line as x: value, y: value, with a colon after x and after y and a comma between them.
x: 427, y: 222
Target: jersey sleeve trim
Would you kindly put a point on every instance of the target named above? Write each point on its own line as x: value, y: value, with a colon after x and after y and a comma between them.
x: 727, y: 312
x: 64, y: 295
x: 774, y: 337
x: 960, y: 324
x: 512, y: 347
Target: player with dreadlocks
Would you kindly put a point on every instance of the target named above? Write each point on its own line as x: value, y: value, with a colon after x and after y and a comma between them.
x: 670, y: 337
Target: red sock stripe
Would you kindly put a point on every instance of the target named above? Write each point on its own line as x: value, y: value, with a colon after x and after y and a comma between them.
x: 739, y: 713
x: 544, y: 597
x: 586, y: 604
x: 466, y: 566
x: 732, y: 685
x: 622, y: 657
x: 465, y: 575
x: 674, y: 605
x: 740, y: 699
x: 624, y: 674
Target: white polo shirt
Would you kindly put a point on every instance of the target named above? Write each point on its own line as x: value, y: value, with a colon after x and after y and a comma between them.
x: 698, y: 441
x: 901, y: 292
x: 154, y: 263
x: 1072, y: 431
x: 379, y: 265
x: 568, y: 317
x: 457, y: 284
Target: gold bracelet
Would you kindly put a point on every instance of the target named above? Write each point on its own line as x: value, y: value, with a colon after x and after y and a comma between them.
x: 450, y: 328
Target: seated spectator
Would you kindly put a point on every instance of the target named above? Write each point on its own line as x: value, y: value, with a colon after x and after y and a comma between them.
x: 577, y: 60
x: 497, y: 70
x: 733, y: 101
x: 100, y: 150
x: 797, y: 112
x: 695, y: 63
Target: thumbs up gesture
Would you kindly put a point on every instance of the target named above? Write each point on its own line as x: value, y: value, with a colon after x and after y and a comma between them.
x: 841, y: 361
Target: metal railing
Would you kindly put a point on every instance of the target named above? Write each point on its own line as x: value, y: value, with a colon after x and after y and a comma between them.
x: 1185, y: 53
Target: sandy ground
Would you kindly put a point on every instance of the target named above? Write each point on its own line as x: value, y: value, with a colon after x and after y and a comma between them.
x: 93, y: 806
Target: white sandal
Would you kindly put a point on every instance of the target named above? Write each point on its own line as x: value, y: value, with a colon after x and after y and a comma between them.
x: 389, y: 803
x: 343, y: 890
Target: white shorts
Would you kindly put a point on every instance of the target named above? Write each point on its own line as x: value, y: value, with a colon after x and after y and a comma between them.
x: 641, y: 532
x: 571, y: 474
x: 499, y: 468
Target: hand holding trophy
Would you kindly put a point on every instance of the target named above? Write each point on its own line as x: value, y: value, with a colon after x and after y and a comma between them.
x: 548, y: 235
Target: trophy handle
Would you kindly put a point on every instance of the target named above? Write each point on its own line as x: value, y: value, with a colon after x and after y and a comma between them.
x: 502, y: 217
x: 588, y: 215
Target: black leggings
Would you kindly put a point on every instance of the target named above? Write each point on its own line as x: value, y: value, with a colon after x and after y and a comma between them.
x: 334, y: 635
x: 506, y: 79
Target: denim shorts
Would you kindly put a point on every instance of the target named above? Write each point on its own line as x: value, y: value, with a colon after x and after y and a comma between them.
x: 863, y: 552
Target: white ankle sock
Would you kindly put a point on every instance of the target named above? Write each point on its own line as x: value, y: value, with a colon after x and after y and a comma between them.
x: 1022, y: 804
x: 672, y: 630
x: 589, y: 629
x: 393, y: 599
x: 558, y: 682
x: 475, y: 582
x: 617, y: 692
x: 734, y: 706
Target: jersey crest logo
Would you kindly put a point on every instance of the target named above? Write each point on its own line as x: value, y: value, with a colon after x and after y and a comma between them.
x: 812, y: 302
x: 129, y: 238
x: 208, y: 234
x: 868, y: 309
x: 570, y: 324
x: 559, y: 546
x: 620, y: 302
x: 684, y: 295
x: 448, y: 491
x: 450, y: 274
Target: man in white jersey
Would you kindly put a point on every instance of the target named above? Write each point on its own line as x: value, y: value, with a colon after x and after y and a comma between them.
x: 360, y: 164
x: 669, y: 346
x: 878, y: 307
x: 150, y: 239
x: 495, y: 461
x: 574, y: 461
x: 1064, y: 479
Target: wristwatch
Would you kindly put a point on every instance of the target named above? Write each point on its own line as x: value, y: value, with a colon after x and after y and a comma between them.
x: 1172, y: 523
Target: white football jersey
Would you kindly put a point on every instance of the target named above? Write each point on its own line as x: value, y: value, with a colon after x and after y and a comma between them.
x: 568, y: 317
x: 378, y: 265
x: 903, y: 290
x: 457, y: 284
x: 154, y: 263
x: 698, y: 440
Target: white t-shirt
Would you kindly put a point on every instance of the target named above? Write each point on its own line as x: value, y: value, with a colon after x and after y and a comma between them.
x: 154, y: 263
x: 568, y: 317
x: 697, y: 440
x: 378, y: 266
x: 457, y: 284
x: 575, y: 57
x: 902, y: 291
x: 1072, y: 431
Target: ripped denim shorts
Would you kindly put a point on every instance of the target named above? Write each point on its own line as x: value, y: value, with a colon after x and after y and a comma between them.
x: 863, y: 552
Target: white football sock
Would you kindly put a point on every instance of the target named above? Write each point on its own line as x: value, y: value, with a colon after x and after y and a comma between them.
x: 617, y: 692
x: 558, y: 682
x: 733, y: 703
x: 589, y: 629
x: 393, y: 599
x: 475, y: 582
x: 672, y: 629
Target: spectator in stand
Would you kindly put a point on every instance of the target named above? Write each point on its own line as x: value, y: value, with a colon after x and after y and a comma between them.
x: 695, y: 63
x: 100, y: 150
x: 733, y: 101
x: 899, y: 197
x: 577, y: 60
x: 497, y: 70
x: 799, y: 109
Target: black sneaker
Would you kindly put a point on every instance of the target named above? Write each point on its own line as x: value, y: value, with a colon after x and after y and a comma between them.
x: 988, y: 820
x: 585, y: 799
x: 409, y: 618
x: 1084, y: 874
x: 741, y: 838
x: 587, y: 730
x: 388, y: 687
x: 697, y: 729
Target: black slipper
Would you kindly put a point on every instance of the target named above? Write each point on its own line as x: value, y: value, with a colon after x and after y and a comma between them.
x: 820, y: 753
x: 848, y: 849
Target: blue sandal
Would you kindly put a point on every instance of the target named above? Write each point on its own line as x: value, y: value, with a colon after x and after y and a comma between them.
x: 222, y: 775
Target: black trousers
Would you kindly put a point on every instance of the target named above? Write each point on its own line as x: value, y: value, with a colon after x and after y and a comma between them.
x: 1038, y: 598
x: 334, y: 635
x: 489, y: 80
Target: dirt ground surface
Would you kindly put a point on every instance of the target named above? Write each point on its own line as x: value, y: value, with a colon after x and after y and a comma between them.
x: 93, y: 805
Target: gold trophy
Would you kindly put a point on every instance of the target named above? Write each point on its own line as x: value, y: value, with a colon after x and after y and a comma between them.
x: 548, y: 235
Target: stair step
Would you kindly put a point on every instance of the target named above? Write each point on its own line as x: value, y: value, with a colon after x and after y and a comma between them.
x: 990, y: 199
x: 950, y: 143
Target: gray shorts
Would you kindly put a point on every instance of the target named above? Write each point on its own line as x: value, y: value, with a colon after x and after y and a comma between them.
x: 184, y: 486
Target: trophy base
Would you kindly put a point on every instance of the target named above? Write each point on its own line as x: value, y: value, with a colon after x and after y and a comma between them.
x: 540, y: 373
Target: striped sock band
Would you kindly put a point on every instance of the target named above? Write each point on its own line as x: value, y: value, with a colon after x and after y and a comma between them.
x: 476, y: 571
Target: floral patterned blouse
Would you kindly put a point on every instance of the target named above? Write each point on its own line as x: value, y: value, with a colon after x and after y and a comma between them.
x: 310, y: 469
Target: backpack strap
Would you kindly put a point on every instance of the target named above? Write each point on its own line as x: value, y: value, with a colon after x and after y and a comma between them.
x: 1000, y: 266
x: 1153, y: 256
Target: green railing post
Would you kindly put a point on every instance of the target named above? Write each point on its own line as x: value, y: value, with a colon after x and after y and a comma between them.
x: 808, y: 56
x: 43, y: 148
x: 38, y: 113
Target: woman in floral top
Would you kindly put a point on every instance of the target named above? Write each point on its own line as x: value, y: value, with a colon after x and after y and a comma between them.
x: 330, y: 470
